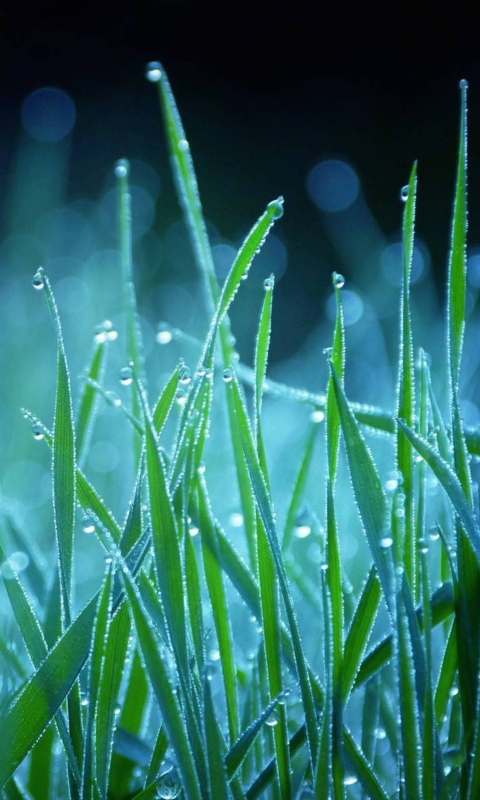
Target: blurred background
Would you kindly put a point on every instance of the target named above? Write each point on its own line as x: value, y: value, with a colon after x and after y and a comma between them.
x: 328, y: 112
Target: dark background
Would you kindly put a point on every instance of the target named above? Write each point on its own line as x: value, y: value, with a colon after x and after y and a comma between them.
x: 265, y: 94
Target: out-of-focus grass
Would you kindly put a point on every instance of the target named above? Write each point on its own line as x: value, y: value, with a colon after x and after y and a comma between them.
x: 198, y: 613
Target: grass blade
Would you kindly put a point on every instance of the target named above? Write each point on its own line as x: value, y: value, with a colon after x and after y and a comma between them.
x: 88, y: 401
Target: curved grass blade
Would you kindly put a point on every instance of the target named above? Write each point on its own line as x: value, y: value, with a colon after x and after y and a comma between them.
x: 215, y: 748
x: 158, y: 754
x: 360, y: 630
x: 88, y: 398
x: 171, y: 712
x: 238, y: 752
x: 299, y: 487
x: 406, y: 385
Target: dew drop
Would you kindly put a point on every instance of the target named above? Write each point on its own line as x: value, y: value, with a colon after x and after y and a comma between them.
x: 268, y: 283
x: 386, y: 542
x: 380, y: 733
x: 463, y: 84
x: 193, y: 530
x: 317, y: 416
x: 164, y: 333
x: 302, y: 531
x: 38, y: 281
x: 113, y: 399
x: 122, y: 168
x: 183, y: 145
x: 181, y: 397
x: 422, y: 545
x: 153, y: 72
x: 324, y: 566
x: 19, y: 560
x: 453, y: 691
x: 350, y: 780
x: 117, y: 710
x: 185, y: 375
x: 37, y: 432
x: 275, y: 208
x: 126, y: 376
x: 105, y: 332
x: 228, y: 375
x: 338, y: 280
x: 404, y: 194
x: 201, y: 469
x: 273, y: 718
x: 434, y: 535
x: 84, y: 701
x: 87, y: 524
x: 168, y: 786
x: 214, y: 655
x: 236, y: 519
x: 210, y: 671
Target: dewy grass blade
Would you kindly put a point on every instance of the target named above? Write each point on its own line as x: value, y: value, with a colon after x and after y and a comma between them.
x: 134, y: 346
x: 171, y: 712
x: 406, y: 384
x: 451, y: 485
x: 63, y: 456
x: 166, y: 544
x: 215, y: 748
x: 95, y: 678
x: 219, y: 605
x: 241, y: 747
x: 269, y: 595
x: 88, y: 401
x: 299, y: 487
x: 263, y: 503
x: 360, y: 631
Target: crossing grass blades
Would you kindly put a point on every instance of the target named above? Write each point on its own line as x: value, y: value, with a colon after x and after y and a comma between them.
x: 126, y: 698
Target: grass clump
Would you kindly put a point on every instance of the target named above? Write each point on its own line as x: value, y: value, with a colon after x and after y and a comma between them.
x: 155, y: 688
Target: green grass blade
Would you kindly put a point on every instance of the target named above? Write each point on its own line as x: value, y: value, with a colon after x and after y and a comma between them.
x: 219, y: 606
x: 158, y: 754
x: 87, y: 404
x: 95, y: 677
x: 165, y: 402
x: 166, y: 544
x: 457, y: 267
x: 299, y: 488
x: 446, y: 675
x: 360, y: 630
x: 239, y: 750
x: 264, y: 506
x: 215, y: 749
x: 39, y: 782
x: 406, y: 385
x: 194, y: 598
x: 166, y: 697
x: 360, y: 767
x: 451, y: 485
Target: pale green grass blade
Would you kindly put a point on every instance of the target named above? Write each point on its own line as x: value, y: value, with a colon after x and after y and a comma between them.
x: 134, y: 346
x: 408, y: 710
x: 451, y: 485
x: 359, y: 766
x: 39, y: 782
x: 474, y: 771
x: 406, y: 385
x: 158, y: 755
x: 36, y: 647
x: 95, y: 677
x: 264, y: 506
x: 430, y: 754
x: 323, y: 777
x: 442, y: 606
x: 370, y: 718
x: 132, y: 530
x: 165, y: 402
x: 116, y: 649
x: 219, y: 606
x: 87, y: 404
x: 299, y: 488
x: 171, y: 712
x: 269, y: 595
x: 39, y: 701
x: 186, y: 181
x: 457, y: 267
x: 360, y: 630
x: 367, y: 487
x: 194, y: 598
x: 239, y: 750
x: 334, y: 597
x: 166, y: 545
x: 63, y: 460
x: 446, y: 675
x: 215, y: 748
x: 32, y: 710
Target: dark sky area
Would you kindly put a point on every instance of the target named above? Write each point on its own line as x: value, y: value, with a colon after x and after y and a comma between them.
x: 264, y: 94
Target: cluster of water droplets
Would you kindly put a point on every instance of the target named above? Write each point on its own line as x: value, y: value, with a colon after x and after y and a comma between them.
x: 105, y: 332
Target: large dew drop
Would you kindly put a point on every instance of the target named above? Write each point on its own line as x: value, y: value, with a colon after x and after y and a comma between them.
x: 37, y: 281
x: 153, y: 72
x: 275, y: 208
x: 122, y: 168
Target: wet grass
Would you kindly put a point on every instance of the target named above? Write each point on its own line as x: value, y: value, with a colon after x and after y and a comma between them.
x: 219, y: 662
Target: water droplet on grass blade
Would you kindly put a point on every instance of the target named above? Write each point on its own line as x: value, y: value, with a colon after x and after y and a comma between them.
x: 404, y: 194
x: 302, y: 531
x: 185, y: 375
x: 338, y: 280
x: 210, y: 671
x: 122, y: 168
x: 350, y: 780
x: 324, y: 566
x: 153, y: 71
x: 87, y: 524
x: 38, y: 281
x: 37, y: 432
x: 386, y: 542
x: 275, y: 208
x: 228, y: 375
x: 181, y: 397
x: 105, y: 332
x: 268, y: 283
x: 183, y: 145
x: 236, y: 519
x: 273, y: 718
x: 317, y: 416
x: 168, y: 786
x: 18, y: 560
x: 126, y: 376
x: 463, y: 84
